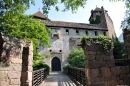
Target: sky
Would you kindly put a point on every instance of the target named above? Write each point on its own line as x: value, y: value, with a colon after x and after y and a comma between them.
x: 116, y: 11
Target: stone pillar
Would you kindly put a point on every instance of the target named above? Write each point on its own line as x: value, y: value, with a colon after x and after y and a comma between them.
x: 15, y: 68
x: 10, y: 61
x: 99, y: 64
x: 27, y: 58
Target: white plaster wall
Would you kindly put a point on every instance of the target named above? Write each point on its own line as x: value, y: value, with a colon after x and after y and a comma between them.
x: 100, y: 32
x: 72, y: 33
x: 91, y: 33
x: 65, y: 51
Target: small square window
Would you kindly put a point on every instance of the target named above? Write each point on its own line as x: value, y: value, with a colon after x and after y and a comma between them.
x: 86, y: 32
x: 96, y: 33
x: 67, y: 31
x: 77, y: 32
x: 104, y: 33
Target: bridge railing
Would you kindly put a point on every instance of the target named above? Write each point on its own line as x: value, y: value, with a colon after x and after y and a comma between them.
x: 39, y: 76
x: 77, y: 75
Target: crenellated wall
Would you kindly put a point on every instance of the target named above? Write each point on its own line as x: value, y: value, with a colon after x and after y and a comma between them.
x: 101, y: 69
x: 16, y: 58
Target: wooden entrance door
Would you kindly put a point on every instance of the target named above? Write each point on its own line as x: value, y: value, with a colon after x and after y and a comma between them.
x: 56, y: 64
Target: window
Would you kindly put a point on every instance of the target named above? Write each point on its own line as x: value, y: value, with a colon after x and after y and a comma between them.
x: 60, y: 51
x: 86, y: 32
x: 67, y: 31
x: 77, y: 32
x: 55, y: 34
x: 95, y: 33
x: 104, y: 33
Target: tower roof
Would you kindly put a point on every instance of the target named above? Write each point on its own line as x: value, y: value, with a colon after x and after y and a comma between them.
x: 97, y: 9
x: 39, y: 15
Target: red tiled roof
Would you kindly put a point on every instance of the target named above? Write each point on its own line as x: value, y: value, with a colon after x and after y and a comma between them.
x: 73, y: 25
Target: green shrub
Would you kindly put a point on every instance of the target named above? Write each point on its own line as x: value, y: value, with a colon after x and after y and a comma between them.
x: 121, y: 62
x: 40, y: 65
x: 66, y: 67
x: 77, y: 58
x: 119, y: 51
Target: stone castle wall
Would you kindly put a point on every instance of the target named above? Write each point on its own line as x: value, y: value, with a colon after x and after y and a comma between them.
x: 101, y: 69
x: 108, y: 23
x: 15, y: 62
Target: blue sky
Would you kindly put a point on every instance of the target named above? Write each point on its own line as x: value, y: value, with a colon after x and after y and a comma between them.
x: 116, y: 11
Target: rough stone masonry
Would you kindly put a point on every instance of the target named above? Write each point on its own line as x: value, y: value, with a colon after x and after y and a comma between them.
x: 101, y: 69
x: 16, y: 58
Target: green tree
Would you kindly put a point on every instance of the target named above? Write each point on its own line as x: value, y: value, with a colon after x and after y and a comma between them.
x: 14, y: 23
x: 119, y: 51
x: 25, y: 27
x: 21, y: 5
x: 77, y: 58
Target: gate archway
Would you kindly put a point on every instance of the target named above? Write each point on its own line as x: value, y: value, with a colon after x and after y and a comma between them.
x: 56, y: 64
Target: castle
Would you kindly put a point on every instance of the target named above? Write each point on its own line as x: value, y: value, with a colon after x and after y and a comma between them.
x: 66, y: 35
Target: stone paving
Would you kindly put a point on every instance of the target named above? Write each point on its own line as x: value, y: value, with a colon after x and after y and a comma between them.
x: 57, y: 79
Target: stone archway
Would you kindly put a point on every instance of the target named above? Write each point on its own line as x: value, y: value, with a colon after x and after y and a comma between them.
x: 56, y: 64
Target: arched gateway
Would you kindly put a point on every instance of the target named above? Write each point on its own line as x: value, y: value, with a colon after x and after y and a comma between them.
x: 56, y: 64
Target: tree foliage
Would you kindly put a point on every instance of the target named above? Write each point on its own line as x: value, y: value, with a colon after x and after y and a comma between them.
x: 25, y: 27
x: 119, y: 51
x: 14, y: 23
x: 72, y: 5
x: 77, y: 58
x: 10, y: 8
x: 21, y: 5
x: 41, y: 65
x: 125, y: 24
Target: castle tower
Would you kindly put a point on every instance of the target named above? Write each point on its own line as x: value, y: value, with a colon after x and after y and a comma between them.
x: 100, y: 17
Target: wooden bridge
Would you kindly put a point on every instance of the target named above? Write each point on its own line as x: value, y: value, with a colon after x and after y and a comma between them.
x: 70, y: 77
x: 57, y: 79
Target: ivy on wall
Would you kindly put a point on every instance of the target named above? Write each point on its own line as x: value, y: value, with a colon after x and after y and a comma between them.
x: 104, y: 41
x: 95, y: 20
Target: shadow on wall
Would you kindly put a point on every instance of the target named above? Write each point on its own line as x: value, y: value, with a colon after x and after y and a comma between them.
x: 1, y: 49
